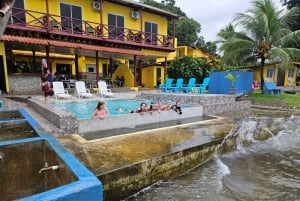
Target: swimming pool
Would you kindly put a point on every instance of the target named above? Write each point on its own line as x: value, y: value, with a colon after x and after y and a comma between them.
x: 84, y: 109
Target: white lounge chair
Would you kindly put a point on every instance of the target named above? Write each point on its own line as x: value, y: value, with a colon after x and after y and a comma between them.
x: 60, y: 91
x: 82, y: 91
x: 103, y: 90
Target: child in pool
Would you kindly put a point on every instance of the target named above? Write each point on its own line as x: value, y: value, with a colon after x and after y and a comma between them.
x: 177, y: 107
x: 100, y: 111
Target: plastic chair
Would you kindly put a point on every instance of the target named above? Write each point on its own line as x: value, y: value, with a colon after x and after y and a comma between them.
x: 60, y: 91
x: 103, y: 90
x: 82, y: 91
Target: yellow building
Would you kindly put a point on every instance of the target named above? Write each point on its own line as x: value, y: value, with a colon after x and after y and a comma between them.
x: 88, y: 40
x: 274, y: 73
x: 155, y: 74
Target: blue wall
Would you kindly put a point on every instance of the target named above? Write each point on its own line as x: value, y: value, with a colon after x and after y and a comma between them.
x: 219, y: 84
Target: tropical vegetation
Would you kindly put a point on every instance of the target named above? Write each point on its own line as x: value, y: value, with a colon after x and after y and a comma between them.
x: 265, y: 35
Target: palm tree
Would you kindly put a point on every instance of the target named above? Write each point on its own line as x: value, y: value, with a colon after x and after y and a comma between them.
x: 265, y: 35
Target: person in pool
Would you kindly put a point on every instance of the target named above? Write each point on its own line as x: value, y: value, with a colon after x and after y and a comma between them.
x: 158, y: 107
x: 177, y: 107
x: 142, y: 109
x: 100, y: 111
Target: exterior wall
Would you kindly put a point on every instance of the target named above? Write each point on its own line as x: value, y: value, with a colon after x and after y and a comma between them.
x: 149, y: 76
x: 92, y: 15
x: 123, y: 70
x: 219, y: 84
x: 123, y: 182
x: 2, y: 52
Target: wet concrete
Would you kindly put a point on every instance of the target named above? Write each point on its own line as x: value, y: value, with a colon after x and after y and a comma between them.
x: 102, y: 155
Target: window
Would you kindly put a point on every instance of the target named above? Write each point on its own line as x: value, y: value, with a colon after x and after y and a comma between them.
x: 90, y: 68
x: 64, y: 69
x: 115, y: 27
x: 18, y: 16
x: 270, y: 72
x: 151, y: 33
x: 291, y: 73
x: 71, y: 18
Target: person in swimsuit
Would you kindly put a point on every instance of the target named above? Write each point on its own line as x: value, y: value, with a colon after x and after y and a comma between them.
x: 100, y: 111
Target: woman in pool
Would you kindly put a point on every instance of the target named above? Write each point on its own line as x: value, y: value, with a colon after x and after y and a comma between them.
x: 142, y: 109
x: 100, y: 111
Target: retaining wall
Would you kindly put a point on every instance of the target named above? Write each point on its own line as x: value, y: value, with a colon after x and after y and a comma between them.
x: 121, y: 183
x: 212, y: 103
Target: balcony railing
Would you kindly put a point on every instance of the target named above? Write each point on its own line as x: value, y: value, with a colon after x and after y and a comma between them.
x: 60, y: 25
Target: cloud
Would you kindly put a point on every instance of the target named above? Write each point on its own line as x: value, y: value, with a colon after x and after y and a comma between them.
x: 213, y: 15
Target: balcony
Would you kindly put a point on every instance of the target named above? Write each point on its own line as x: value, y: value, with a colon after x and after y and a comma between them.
x: 37, y: 24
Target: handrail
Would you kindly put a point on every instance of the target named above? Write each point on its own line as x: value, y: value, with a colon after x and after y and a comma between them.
x: 56, y: 24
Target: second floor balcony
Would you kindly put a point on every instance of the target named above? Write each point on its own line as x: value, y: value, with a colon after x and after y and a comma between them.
x: 38, y: 24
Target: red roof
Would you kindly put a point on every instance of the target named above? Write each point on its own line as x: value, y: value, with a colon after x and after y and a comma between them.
x: 38, y: 41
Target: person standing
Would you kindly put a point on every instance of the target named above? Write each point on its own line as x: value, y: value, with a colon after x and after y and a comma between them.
x: 46, y: 87
x: 49, y: 76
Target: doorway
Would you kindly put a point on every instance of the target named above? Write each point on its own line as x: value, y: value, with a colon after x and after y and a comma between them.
x: 2, y: 75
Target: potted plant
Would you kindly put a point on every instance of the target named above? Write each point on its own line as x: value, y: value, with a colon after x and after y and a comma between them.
x: 232, y: 79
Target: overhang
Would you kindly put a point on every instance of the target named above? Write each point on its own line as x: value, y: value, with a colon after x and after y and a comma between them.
x: 37, y: 44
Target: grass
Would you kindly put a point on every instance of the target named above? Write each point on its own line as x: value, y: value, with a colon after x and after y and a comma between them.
x: 285, y: 100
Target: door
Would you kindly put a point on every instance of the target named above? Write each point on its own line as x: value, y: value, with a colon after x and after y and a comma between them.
x: 71, y: 18
x: 2, y: 75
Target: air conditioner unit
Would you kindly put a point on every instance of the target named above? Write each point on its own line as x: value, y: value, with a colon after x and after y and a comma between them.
x: 97, y: 5
x: 135, y: 14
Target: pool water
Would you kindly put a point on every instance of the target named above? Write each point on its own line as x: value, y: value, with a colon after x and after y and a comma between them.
x: 84, y: 109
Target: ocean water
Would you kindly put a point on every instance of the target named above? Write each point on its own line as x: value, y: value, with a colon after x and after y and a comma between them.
x: 255, y: 170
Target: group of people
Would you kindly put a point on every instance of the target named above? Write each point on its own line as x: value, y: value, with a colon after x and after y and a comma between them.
x: 101, y: 111
x: 154, y: 106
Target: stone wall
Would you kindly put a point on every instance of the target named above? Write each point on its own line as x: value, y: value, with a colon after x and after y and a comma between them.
x: 65, y: 121
x: 25, y: 84
x: 212, y: 103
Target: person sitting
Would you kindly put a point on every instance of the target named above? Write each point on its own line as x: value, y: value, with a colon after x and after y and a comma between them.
x: 100, y: 111
x: 118, y: 81
x: 142, y: 109
x: 177, y: 107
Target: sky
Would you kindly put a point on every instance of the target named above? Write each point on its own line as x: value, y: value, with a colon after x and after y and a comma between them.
x: 213, y: 15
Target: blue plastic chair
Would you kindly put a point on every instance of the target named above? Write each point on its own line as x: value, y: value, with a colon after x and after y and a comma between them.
x: 167, y: 86
x: 189, y: 87
x: 205, y: 83
x: 178, y: 86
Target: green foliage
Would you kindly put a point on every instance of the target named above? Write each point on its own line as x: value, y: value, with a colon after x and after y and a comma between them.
x: 265, y: 35
x: 187, y: 31
x: 284, y: 100
x: 232, y: 78
x: 186, y: 67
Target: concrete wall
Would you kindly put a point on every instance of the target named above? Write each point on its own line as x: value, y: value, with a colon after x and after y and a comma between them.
x: 132, y: 120
x: 121, y: 183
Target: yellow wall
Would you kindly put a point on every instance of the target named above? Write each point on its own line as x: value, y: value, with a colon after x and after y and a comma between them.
x: 2, y: 52
x: 149, y: 76
x: 123, y: 70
